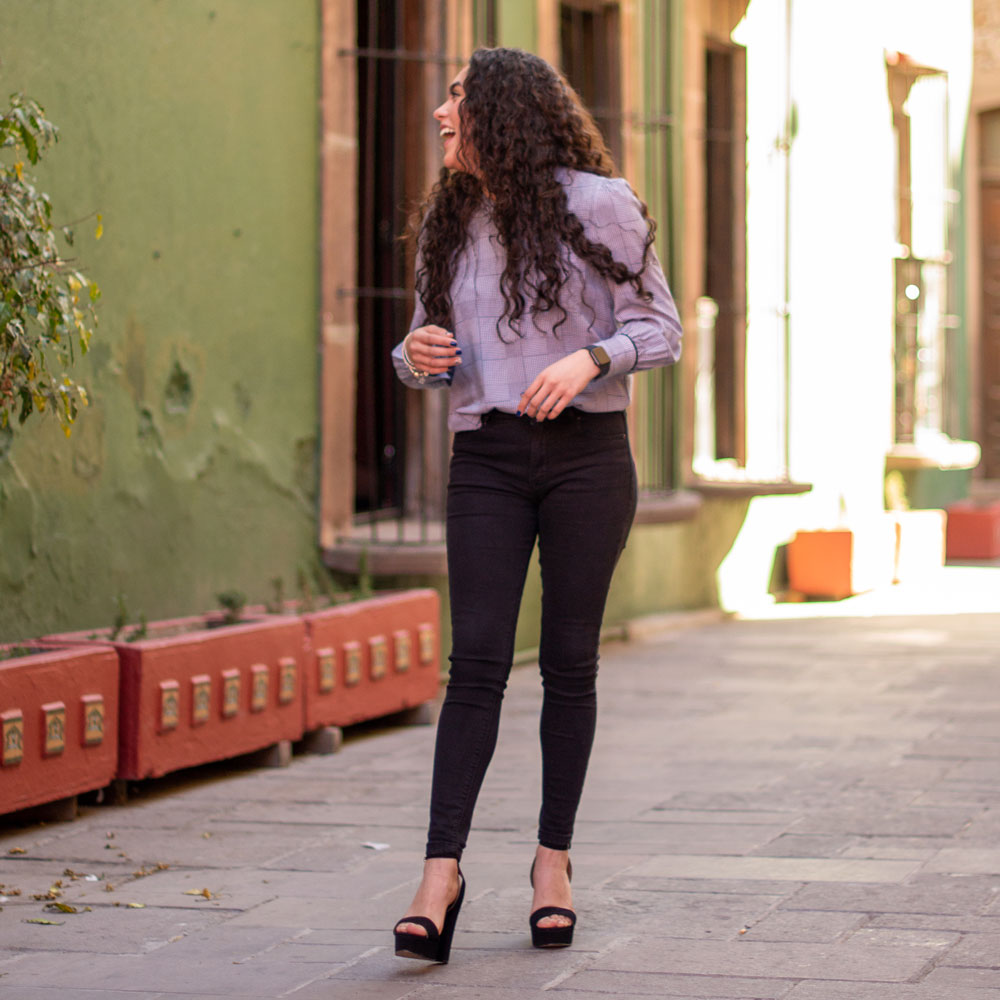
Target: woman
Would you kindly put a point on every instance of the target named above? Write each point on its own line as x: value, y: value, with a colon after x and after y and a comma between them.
x: 538, y: 292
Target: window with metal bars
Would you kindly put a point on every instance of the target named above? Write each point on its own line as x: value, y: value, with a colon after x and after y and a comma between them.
x: 403, y: 67
x: 925, y: 405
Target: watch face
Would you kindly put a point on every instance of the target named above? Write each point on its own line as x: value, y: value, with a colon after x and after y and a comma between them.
x: 600, y: 358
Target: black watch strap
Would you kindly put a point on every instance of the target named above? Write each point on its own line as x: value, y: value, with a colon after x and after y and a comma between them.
x: 600, y: 358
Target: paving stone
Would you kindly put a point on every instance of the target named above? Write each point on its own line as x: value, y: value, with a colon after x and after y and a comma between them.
x: 525, y: 969
x: 904, y: 822
x: 965, y: 861
x: 681, y: 838
x: 945, y: 979
x: 341, y: 989
x: 780, y: 869
x: 676, y: 987
x: 939, y: 940
x: 116, y: 929
x: 787, y: 925
x: 975, y: 951
x: 790, y: 845
x: 750, y: 887
x: 68, y: 993
x: 926, y: 895
x: 938, y: 922
x: 780, y: 960
x: 877, y: 991
x: 898, y: 848
x: 159, y: 972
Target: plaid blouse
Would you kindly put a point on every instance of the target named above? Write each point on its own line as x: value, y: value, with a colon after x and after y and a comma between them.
x: 497, y: 368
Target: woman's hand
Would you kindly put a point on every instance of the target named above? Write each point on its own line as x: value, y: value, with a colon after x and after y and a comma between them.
x: 432, y: 349
x: 558, y: 385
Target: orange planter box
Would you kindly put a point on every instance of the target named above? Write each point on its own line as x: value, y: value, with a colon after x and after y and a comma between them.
x: 843, y: 561
x: 59, y: 718
x: 372, y: 658
x: 191, y: 694
x: 973, y: 530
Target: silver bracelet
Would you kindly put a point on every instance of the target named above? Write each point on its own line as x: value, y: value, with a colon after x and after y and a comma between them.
x: 414, y: 370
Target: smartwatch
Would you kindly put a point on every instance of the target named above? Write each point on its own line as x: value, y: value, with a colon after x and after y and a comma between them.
x: 600, y: 358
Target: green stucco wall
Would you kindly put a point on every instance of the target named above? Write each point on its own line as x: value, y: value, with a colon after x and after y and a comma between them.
x: 517, y: 24
x: 191, y: 126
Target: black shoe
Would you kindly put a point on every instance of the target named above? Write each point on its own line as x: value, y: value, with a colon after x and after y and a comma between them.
x: 552, y: 937
x: 436, y: 946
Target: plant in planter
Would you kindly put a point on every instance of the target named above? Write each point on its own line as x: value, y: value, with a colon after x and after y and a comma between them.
x: 46, y: 306
x: 59, y: 719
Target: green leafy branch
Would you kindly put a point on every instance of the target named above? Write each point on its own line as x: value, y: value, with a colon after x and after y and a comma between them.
x: 47, y: 307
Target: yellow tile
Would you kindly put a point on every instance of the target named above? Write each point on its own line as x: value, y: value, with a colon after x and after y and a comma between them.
x: 93, y: 719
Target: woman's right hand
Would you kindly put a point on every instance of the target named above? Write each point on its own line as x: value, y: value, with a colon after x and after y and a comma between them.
x: 432, y: 349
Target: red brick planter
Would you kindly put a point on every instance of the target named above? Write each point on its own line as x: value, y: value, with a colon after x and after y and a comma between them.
x: 191, y: 697
x: 974, y: 530
x: 372, y: 658
x: 59, y: 716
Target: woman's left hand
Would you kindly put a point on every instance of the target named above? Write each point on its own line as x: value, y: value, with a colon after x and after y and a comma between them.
x: 558, y: 385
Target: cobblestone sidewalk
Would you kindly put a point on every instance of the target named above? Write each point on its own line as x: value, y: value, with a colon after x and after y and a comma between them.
x: 804, y: 809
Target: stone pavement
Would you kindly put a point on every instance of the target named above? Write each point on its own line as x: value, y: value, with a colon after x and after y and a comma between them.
x: 804, y: 809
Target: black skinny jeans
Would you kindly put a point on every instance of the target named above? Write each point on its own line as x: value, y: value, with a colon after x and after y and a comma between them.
x: 570, y: 483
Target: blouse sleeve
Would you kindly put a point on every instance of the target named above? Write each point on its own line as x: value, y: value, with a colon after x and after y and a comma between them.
x: 402, y: 372
x: 648, y: 331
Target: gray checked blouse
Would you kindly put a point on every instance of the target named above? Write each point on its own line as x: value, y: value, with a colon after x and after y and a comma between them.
x: 496, y: 369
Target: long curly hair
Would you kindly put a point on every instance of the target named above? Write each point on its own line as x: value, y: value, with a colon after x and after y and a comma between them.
x: 521, y: 121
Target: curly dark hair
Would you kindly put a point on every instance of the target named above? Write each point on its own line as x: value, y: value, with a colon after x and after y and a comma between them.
x: 522, y: 121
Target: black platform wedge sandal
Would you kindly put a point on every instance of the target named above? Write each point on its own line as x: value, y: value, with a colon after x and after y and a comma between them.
x: 436, y: 946
x: 552, y: 937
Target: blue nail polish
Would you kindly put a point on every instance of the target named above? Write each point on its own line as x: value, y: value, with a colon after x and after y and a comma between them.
x: 454, y: 343
x: 517, y: 413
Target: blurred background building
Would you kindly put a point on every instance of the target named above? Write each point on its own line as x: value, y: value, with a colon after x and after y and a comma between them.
x: 826, y: 182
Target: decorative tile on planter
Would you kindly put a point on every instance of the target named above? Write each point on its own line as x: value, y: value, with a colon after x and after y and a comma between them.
x: 389, y: 648
x: 378, y: 657
x: 427, y: 638
x: 352, y: 663
x: 326, y: 665
x: 92, y: 706
x: 59, y: 715
x: 401, y: 649
x: 170, y: 705
x: 201, y: 699
x: 260, y: 686
x: 230, y: 693
x: 13, y: 736
x: 170, y: 676
x: 53, y: 728
x: 287, y: 673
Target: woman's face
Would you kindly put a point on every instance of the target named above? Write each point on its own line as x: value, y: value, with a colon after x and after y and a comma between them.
x: 447, y: 116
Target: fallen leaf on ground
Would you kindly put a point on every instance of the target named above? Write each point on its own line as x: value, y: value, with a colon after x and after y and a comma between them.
x: 199, y: 892
x: 136, y: 906
x: 61, y: 908
x: 18, y: 850
x: 40, y: 920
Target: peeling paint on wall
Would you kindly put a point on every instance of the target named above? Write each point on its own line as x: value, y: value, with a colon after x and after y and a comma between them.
x: 193, y: 471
